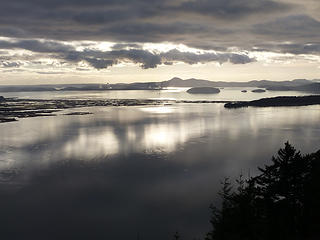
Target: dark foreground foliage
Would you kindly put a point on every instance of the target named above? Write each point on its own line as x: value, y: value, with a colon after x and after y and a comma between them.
x: 283, y: 202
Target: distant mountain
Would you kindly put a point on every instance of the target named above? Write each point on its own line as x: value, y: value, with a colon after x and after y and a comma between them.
x: 313, y: 87
x: 192, y: 82
x: 296, y: 84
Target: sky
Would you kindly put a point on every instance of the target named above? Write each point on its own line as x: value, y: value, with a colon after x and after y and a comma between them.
x: 99, y: 41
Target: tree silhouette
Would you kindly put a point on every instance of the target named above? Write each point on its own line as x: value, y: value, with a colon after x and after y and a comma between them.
x: 220, y: 218
x: 282, y: 202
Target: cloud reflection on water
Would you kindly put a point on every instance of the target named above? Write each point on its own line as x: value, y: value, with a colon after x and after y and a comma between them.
x: 112, y: 131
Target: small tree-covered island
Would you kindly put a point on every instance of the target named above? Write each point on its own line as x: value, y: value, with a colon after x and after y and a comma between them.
x: 203, y: 90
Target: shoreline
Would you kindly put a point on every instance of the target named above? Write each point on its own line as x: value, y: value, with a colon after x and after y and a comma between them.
x: 12, y: 109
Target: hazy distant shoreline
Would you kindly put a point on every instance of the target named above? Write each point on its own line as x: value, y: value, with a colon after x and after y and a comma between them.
x: 293, y: 85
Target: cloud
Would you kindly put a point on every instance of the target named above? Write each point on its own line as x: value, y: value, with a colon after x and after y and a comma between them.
x: 148, y: 59
x: 231, y: 28
x: 145, y: 58
x: 103, y: 59
x: 100, y: 17
x: 296, y: 27
x: 50, y: 73
x: 36, y: 46
x: 193, y: 58
x: 233, y: 9
x: 119, y: 46
x: 293, y: 48
x: 14, y: 70
x: 153, y: 32
x: 192, y: 22
x: 99, y: 63
x: 10, y: 64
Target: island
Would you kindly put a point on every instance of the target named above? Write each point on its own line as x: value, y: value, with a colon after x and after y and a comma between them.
x: 203, y: 90
x: 284, y: 101
x: 258, y: 90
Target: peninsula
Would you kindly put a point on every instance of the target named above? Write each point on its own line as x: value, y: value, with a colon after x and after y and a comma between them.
x: 283, y: 101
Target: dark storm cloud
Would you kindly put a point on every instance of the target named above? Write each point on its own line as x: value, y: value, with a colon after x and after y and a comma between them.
x: 233, y: 9
x: 103, y: 59
x: 146, y: 58
x: 36, y: 46
x: 296, y: 34
x: 128, y: 20
x: 154, y: 32
x: 296, y: 27
x: 218, y: 25
x: 99, y: 63
x: 101, y: 17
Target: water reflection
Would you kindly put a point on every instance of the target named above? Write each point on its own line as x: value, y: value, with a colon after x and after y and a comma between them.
x: 135, y: 170
x: 89, y: 144
x: 167, y: 129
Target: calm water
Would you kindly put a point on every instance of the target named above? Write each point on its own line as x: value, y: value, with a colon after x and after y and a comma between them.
x: 135, y: 172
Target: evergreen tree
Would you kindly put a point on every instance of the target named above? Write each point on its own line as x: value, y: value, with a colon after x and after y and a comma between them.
x: 280, y: 203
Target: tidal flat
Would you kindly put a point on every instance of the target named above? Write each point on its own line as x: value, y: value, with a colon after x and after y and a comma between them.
x: 11, y: 109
